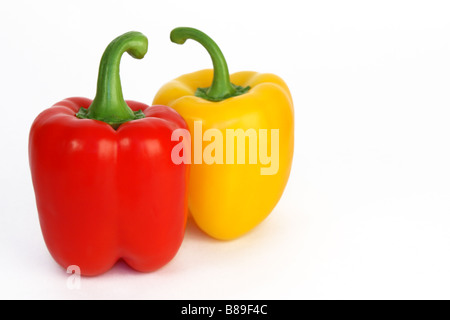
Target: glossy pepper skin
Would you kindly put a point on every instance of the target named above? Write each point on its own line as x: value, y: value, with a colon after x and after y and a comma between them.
x: 108, y: 190
x: 228, y: 200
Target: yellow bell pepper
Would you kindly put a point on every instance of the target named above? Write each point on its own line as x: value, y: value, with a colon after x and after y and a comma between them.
x: 242, y: 129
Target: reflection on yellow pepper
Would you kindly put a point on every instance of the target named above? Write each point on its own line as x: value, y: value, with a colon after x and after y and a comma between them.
x: 242, y: 129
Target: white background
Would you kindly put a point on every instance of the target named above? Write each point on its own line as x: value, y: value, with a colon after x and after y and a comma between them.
x: 366, y: 213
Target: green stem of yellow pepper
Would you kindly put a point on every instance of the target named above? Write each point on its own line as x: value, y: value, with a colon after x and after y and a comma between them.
x: 221, y: 87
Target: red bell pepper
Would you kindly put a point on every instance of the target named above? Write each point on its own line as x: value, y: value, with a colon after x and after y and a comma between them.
x: 105, y: 185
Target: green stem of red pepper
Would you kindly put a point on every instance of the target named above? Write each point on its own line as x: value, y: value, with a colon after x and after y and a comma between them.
x: 221, y: 87
x: 109, y: 105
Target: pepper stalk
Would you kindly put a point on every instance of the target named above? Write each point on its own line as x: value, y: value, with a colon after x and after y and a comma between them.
x: 109, y: 105
x: 221, y: 87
